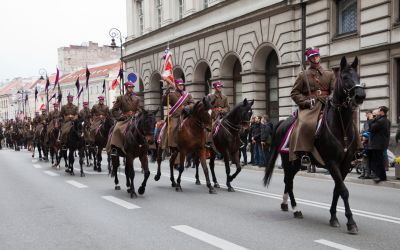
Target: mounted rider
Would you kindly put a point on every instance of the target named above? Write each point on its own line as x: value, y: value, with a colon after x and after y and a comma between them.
x: 180, y: 102
x: 86, y: 116
x: 54, y: 118
x: 99, y: 113
x: 310, y: 92
x: 69, y: 113
x: 125, y: 108
x: 40, y: 121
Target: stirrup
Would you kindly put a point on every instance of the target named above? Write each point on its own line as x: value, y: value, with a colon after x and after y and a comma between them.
x: 114, y: 152
x: 305, y: 161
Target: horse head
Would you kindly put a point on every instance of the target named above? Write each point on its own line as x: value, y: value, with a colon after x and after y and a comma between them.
x: 200, y: 112
x: 143, y: 126
x: 241, y: 113
x: 348, y: 88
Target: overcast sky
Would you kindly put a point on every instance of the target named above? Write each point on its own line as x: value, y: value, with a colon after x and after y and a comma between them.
x: 31, y: 31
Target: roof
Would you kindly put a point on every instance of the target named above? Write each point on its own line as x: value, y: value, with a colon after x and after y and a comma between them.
x: 15, y: 84
x: 98, y: 71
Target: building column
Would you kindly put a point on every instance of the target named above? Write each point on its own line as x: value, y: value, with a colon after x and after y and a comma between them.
x: 286, y: 77
x: 148, y: 16
x: 254, y: 88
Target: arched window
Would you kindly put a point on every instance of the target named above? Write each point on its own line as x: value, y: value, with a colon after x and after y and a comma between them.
x: 271, y: 80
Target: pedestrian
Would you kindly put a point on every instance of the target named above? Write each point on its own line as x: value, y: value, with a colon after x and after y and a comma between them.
x: 256, y: 141
x: 266, y: 136
x: 252, y: 124
x: 379, y: 128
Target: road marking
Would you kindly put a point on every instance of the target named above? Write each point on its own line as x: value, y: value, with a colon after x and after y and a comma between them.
x: 76, y: 184
x: 50, y: 173
x: 120, y: 202
x: 208, y: 238
x: 37, y: 166
x: 366, y: 214
x: 334, y: 245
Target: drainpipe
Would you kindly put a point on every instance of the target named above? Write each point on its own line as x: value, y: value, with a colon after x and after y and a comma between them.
x: 303, y: 30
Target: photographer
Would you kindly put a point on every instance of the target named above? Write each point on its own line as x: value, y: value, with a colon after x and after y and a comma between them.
x: 379, y: 128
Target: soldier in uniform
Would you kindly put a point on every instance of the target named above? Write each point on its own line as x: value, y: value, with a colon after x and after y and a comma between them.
x: 180, y: 101
x: 125, y: 107
x: 53, y: 119
x: 84, y: 114
x: 310, y: 92
x: 99, y: 113
x: 69, y: 113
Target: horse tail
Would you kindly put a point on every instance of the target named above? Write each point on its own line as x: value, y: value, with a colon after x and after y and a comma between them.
x: 272, y: 154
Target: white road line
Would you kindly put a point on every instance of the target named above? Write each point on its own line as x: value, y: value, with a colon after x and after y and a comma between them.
x: 50, y: 173
x: 76, y: 184
x: 334, y: 245
x: 37, y: 166
x: 208, y: 238
x: 120, y: 202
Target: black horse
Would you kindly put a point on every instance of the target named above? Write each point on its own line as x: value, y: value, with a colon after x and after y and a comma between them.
x: 227, y: 142
x: 139, y: 134
x: 100, y: 142
x: 336, y: 143
x: 75, y: 142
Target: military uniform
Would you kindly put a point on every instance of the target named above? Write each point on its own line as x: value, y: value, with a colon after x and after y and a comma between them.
x: 85, y: 115
x: 124, y: 108
x: 99, y: 113
x: 174, y: 118
x: 219, y: 103
x: 68, y: 113
x: 322, y: 83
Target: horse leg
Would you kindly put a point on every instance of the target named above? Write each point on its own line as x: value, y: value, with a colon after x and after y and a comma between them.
x: 212, y: 166
x: 81, y: 159
x: 115, y: 165
x: 109, y: 163
x: 159, y: 159
x: 130, y: 175
x: 202, y: 156
x: 71, y: 161
x: 181, y: 168
x: 228, y: 172
x: 145, y: 166
x: 39, y: 147
x: 171, y: 167
x: 236, y: 160
x: 99, y: 158
x: 196, y: 162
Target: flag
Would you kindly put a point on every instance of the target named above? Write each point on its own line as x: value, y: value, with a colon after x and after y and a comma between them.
x: 121, y: 73
x: 104, y: 86
x: 26, y: 98
x: 114, y: 84
x: 36, y: 93
x: 47, y: 84
x: 57, y: 78
x: 59, y: 96
x: 42, y: 107
x: 77, y: 85
x: 167, y: 68
x: 87, y: 77
x: 80, y: 92
x: 53, y: 96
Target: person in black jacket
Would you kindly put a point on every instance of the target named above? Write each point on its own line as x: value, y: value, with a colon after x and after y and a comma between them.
x: 266, y: 134
x: 379, y: 128
x: 243, y: 134
x: 252, y: 125
x: 256, y: 141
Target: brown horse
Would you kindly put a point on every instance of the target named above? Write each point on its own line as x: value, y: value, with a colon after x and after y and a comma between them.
x: 190, y: 138
x: 100, y: 136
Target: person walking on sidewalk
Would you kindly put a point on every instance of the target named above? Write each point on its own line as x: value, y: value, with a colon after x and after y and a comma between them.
x: 379, y: 128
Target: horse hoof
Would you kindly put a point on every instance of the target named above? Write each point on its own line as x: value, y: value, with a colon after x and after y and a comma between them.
x: 82, y: 175
x: 141, y: 190
x: 230, y: 189
x: 352, y: 229
x: 298, y: 215
x: 212, y: 191
x: 157, y: 177
x: 198, y: 182
x: 284, y: 207
x: 33, y: 156
x: 133, y: 195
x: 334, y: 223
x: 216, y: 185
x: 173, y: 184
x: 117, y: 188
x: 129, y: 190
x: 178, y: 189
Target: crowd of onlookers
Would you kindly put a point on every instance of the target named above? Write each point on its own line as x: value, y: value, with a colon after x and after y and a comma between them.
x: 375, y: 138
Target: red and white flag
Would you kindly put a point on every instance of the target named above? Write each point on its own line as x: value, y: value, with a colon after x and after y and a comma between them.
x: 167, y: 69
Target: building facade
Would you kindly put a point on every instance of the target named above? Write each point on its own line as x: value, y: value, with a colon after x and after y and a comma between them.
x: 75, y: 57
x: 255, y: 47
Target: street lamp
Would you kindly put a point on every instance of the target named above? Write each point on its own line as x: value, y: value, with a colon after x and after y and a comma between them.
x: 116, y: 33
x: 43, y: 73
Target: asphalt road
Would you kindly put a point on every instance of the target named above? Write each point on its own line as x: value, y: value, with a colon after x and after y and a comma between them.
x: 44, y: 208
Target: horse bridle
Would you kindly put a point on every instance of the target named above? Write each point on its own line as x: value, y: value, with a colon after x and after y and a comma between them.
x: 142, y: 135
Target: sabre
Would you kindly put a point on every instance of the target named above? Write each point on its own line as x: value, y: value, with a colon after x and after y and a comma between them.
x: 312, y: 100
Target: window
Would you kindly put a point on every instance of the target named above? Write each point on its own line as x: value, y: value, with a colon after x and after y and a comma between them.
x: 346, y: 16
x: 205, y: 4
x: 140, y: 16
x: 159, y: 12
x: 180, y: 4
x: 271, y: 78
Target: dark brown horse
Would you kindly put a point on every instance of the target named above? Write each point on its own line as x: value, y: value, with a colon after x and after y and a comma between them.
x: 100, y: 136
x: 335, y: 141
x: 190, y: 138
x: 139, y: 134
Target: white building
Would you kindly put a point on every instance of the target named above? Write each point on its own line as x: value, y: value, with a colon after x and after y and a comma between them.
x: 253, y: 46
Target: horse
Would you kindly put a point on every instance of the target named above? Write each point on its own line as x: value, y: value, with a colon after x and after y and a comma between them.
x: 100, y: 142
x: 54, y: 144
x: 335, y: 141
x: 40, y: 142
x: 227, y: 142
x: 16, y: 137
x: 139, y: 134
x: 191, y: 137
x: 75, y: 142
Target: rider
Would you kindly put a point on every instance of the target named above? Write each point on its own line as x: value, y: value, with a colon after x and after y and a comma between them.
x: 220, y: 106
x: 54, y: 116
x: 125, y: 107
x: 179, y: 101
x: 99, y: 113
x: 310, y: 92
x: 84, y: 114
x: 69, y: 113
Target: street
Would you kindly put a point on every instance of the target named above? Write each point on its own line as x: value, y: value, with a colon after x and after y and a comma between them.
x: 44, y: 208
